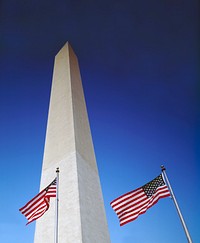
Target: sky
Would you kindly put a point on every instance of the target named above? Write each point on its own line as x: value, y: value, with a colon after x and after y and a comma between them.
x: 139, y: 68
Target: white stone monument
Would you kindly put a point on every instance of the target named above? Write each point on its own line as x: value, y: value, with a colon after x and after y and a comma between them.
x: 69, y: 146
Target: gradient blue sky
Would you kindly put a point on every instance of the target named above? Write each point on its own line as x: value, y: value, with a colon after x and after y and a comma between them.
x: 138, y: 62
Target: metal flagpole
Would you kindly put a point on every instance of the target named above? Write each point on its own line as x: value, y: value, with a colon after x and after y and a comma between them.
x: 57, y: 200
x: 176, y: 204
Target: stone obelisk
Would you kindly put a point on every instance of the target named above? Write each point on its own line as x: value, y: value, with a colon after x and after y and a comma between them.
x: 69, y: 146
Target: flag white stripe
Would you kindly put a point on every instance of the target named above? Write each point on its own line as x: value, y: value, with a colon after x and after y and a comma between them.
x: 130, y: 205
x: 34, y: 207
x: 149, y: 204
x: 136, y: 198
x: 123, y: 197
x: 37, y: 206
x: 40, y: 209
x: 135, y: 207
x: 29, y: 204
x: 159, y: 192
x: 138, y: 201
x: 134, y: 203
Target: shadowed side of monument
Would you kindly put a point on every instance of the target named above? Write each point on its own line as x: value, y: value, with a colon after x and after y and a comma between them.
x: 69, y: 146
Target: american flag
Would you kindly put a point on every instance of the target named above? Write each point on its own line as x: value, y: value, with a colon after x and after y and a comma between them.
x: 37, y: 206
x: 130, y: 205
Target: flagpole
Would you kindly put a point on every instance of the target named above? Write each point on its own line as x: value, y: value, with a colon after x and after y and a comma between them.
x: 57, y: 201
x: 176, y: 204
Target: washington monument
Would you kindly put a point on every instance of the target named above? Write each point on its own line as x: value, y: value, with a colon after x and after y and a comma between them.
x: 69, y: 146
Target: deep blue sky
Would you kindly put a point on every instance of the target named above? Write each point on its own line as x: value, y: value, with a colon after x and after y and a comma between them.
x: 138, y: 62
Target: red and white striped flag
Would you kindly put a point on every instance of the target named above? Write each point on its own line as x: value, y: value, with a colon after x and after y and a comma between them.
x: 37, y: 206
x: 130, y: 205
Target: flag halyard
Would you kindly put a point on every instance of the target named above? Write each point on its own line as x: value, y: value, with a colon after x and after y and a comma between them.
x: 37, y: 206
x: 132, y: 204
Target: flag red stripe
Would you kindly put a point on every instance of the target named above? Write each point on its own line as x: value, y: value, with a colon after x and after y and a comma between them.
x: 134, y: 209
x: 135, y: 213
x: 32, y: 206
x: 134, y: 201
x: 143, y: 203
x: 35, y: 207
x: 43, y: 207
x: 125, y: 197
x: 36, y: 216
x: 133, y: 216
x: 124, y: 202
x: 137, y: 203
x: 147, y: 203
x: 32, y: 201
x: 132, y: 204
x: 38, y: 205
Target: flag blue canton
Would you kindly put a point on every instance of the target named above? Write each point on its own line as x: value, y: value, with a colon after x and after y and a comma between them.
x: 151, y: 187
